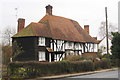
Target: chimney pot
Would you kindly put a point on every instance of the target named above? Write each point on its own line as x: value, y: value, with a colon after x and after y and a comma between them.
x: 86, y: 28
x: 49, y: 9
x: 21, y: 24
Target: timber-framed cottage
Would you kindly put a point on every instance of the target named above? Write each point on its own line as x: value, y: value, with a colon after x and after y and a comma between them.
x: 52, y: 39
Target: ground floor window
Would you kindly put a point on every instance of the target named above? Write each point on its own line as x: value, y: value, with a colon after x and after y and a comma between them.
x: 41, y: 56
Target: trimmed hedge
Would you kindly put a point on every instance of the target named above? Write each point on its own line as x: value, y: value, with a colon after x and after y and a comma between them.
x: 34, y: 69
x: 102, y: 64
x: 115, y: 62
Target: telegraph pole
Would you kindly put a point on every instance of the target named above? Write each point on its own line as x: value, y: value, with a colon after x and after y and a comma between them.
x: 107, y: 30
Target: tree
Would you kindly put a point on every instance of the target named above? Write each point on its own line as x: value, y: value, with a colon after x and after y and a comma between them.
x: 102, y: 30
x: 7, y: 34
x: 6, y: 54
x: 6, y: 44
x: 115, y: 48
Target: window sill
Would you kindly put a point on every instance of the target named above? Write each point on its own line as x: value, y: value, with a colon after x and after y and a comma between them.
x: 41, y: 45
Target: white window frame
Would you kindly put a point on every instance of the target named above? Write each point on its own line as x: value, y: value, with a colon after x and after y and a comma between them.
x: 70, y: 45
x: 41, y: 41
x: 76, y: 46
x: 59, y: 42
x: 41, y: 55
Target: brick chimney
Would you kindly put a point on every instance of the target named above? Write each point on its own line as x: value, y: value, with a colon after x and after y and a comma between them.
x: 86, y: 28
x: 21, y: 24
x: 49, y: 9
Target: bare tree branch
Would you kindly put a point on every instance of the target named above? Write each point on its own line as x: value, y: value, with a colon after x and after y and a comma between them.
x: 102, y: 30
x: 7, y: 34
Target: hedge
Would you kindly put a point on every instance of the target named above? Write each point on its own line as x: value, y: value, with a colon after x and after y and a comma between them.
x: 115, y: 62
x: 102, y: 64
x: 34, y: 69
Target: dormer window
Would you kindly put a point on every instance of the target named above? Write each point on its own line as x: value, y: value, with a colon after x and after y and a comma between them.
x: 41, y: 41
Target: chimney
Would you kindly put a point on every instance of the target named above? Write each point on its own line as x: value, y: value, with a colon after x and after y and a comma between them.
x: 21, y: 23
x: 49, y: 9
x: 86, y: 28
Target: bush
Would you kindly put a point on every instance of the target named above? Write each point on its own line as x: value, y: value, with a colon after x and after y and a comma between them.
x: 102, y: 64
x: 34, y: 69
x: 115, y: 62
x: 73, y: 58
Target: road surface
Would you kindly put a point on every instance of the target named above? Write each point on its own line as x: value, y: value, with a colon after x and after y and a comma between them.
x: 112, y: 75
x: 108, y: 74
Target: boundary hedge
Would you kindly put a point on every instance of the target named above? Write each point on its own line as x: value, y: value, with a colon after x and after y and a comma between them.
x: 34, y: 69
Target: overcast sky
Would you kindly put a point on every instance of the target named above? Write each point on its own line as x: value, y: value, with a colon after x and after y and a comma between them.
x: 90, y: 12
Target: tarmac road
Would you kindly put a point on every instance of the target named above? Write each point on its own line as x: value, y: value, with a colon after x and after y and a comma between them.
x: 108, y: 75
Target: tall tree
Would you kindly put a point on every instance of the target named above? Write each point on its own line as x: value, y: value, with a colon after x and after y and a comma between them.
x: 7, y: 33
x: 102, y: 30
x: 6, y: 54
x: 6, y: 44
x: 115, y: 48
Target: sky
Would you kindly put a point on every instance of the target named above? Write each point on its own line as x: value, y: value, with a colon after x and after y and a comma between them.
x: 85, y: 12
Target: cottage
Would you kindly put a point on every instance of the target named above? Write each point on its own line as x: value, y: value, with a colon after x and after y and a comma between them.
x: 52, y: 38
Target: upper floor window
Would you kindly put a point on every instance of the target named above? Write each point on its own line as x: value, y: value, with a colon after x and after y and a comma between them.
x: 59, y: 42
x: 41, y: 41
x: 76, y: 46
x: 69, y: 45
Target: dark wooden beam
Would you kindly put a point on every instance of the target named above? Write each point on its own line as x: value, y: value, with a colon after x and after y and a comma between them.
x: 84, y: 47
x: 60, y: 56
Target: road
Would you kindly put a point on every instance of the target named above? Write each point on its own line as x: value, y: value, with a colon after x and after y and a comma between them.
x: 112, y: 75
x: 108, y: 74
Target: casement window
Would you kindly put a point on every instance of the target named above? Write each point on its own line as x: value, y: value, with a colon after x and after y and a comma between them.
x: 41, y: 56
x: 41, y: 41
x: 59, y: 42
x: 70, y: 45
x: 76, y: 46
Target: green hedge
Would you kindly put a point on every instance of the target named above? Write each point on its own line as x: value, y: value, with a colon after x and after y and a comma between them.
x: 102, y: 64
x: 115, y: 62
x: 35, y: 69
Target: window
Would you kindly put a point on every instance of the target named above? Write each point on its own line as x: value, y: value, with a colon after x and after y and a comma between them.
x: 41, y: 56
x: 41, y: 41
x: 76, y: 46
x: 59, y: 42
x: 70, y: 45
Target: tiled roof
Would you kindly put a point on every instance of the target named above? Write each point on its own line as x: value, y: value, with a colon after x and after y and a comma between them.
x: 56, y: 27
x: 34, y: 29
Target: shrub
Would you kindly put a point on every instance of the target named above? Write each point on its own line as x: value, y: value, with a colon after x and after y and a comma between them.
x: 102, y: 64
x: 34, y: 69
x: 73, y: 58
x: 115, y: 62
